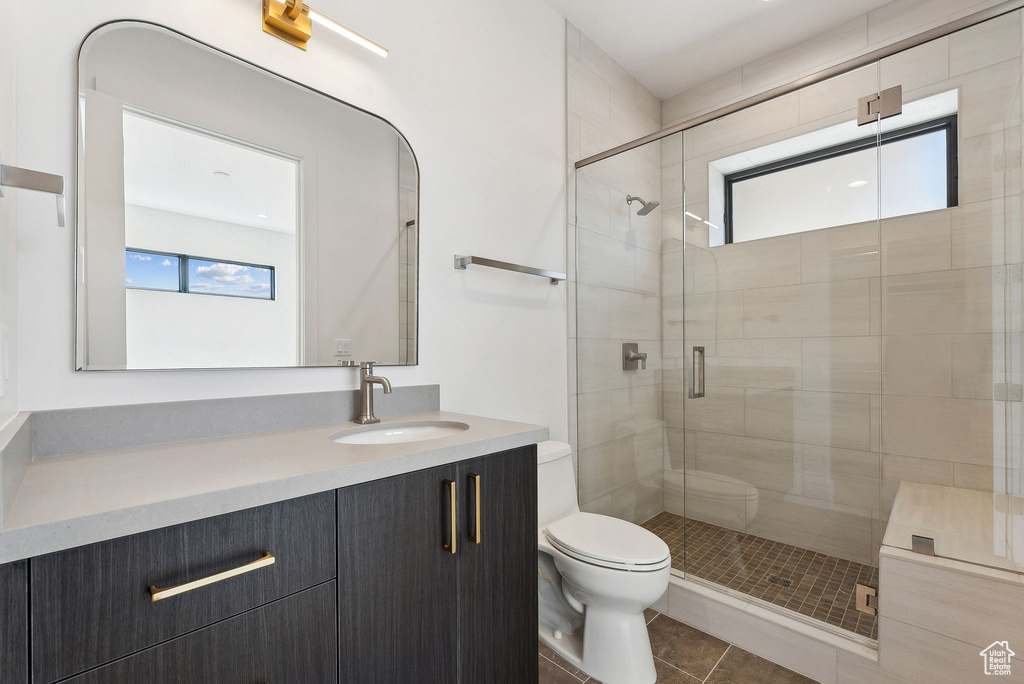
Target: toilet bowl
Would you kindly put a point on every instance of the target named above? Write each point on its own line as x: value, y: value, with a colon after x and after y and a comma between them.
x: 597, y: 576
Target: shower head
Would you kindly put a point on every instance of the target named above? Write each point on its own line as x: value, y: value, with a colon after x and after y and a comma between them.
x: 647, y: 207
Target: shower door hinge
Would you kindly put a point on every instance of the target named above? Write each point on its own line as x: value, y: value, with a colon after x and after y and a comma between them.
x: 922, y: 545
x: 867, y: 599
x: 879, y: 106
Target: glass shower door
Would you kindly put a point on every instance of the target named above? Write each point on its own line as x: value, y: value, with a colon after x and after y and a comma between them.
x: 621, y: 204
x: 951, y: 298
x: 832, y: 319
x: 778, y: 459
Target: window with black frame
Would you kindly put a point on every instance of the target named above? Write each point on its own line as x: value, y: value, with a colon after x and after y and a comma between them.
x: 168, y: 272
x: 840, y: 184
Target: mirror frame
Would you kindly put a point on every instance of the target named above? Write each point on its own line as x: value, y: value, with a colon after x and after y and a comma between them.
x: 79, y: 349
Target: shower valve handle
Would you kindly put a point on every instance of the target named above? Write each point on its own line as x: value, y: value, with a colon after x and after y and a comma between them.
x: 631, y: 356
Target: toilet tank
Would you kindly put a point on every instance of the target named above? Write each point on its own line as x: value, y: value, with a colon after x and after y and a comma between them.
x: 556, y: 482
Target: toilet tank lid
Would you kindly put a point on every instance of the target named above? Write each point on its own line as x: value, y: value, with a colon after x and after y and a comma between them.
x: 550, y: 450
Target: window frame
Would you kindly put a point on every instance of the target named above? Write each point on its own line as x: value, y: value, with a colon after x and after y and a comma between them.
x: 183, y: 274
x: 946, y: 123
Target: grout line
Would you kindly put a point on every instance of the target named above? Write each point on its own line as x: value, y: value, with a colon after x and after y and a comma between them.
x: 668, y: 664
x: 563, y: 669
x: 717, y: 663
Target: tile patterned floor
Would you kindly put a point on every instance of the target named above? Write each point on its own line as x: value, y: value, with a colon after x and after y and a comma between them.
x: 813, y: 584
x: 684, y: 655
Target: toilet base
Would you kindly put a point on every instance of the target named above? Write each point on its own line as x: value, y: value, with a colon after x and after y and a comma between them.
x: 613, y: 648
x: 569, y: 647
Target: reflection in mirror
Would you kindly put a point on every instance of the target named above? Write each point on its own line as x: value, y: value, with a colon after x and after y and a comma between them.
x: 213, y: 233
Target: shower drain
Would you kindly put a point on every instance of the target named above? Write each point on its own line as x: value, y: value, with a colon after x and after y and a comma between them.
x: 780, y: 581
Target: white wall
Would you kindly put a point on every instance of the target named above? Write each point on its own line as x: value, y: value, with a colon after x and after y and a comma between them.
x: 172, y: 330
x: 8, y: 256
x: 478, y: 88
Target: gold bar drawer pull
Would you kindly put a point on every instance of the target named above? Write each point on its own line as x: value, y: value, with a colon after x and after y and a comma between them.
x: 450, y: 546
x: 167, y: 592
x: 476, y: 535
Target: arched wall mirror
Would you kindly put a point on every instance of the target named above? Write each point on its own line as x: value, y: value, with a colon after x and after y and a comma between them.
x: 231, y: 218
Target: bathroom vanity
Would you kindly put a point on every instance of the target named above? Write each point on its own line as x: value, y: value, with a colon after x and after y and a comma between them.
x: 393, y: 562
x: 257, y: 539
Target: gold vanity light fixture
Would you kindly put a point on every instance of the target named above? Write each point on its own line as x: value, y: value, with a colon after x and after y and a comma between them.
x: 292, y: 22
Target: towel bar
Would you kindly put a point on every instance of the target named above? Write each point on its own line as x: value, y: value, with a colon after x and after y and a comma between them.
x: 462, y: 261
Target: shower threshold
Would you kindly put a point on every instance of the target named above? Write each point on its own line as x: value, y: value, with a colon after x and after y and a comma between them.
x: 809, y: 583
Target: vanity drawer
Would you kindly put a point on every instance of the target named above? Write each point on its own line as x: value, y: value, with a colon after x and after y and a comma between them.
x: 291, y: 640
x: 93, y: 604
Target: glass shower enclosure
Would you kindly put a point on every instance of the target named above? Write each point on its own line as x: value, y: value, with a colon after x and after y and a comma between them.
x: 828, y: 297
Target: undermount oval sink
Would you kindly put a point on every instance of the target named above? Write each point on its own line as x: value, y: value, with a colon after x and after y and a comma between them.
x: 395, y: 433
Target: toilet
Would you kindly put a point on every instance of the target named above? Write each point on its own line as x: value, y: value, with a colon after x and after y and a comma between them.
x: 597, y: 575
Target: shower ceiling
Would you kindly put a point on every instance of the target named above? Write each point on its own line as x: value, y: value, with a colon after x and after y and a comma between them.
x: 673, y: 45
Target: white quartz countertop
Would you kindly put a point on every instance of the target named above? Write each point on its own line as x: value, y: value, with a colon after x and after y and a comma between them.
x: 68, y: 501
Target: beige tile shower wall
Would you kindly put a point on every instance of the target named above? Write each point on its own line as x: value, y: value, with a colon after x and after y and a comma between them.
x: 883, y: 26
x: 843, y: 360
x: 615, y: 416
x: 951, y: 294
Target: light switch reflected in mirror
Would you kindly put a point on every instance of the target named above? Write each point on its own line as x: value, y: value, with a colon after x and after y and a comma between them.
x: 230, y: 218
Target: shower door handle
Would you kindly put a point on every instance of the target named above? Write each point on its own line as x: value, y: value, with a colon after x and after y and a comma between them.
x: 697, y: 374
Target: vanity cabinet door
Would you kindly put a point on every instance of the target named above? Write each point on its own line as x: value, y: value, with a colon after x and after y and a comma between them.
x: 93, y: 604
x: 498, y: 575
x: 397, y: 595
x: 290, y: 640
x: 14, y: 623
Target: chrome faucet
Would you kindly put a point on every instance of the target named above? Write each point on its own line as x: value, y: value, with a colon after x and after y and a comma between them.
x: 366, y: 382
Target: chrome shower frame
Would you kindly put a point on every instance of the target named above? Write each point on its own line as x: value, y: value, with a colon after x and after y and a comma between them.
x: 817, y: 77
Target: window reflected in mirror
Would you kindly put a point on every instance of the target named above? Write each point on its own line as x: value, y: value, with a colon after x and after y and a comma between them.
x: 229, y: 218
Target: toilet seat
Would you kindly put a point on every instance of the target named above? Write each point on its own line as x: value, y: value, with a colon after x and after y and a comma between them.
x: 608, y: 542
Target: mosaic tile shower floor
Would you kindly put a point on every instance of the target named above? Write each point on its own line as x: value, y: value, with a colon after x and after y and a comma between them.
x: 804, y: 581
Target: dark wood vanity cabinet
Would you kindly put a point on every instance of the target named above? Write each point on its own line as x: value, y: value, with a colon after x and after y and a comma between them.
x: 397, y: 599
x: 93, y: 604
x: 379, y: 582
x: 14, y: 656
x: 413, y: 605
x: 497, y: 627
x: 290, y: 640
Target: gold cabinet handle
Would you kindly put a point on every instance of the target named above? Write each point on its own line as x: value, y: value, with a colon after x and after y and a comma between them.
x: 453, y: 533
x: 475, y: 536
x: 167, y: 592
